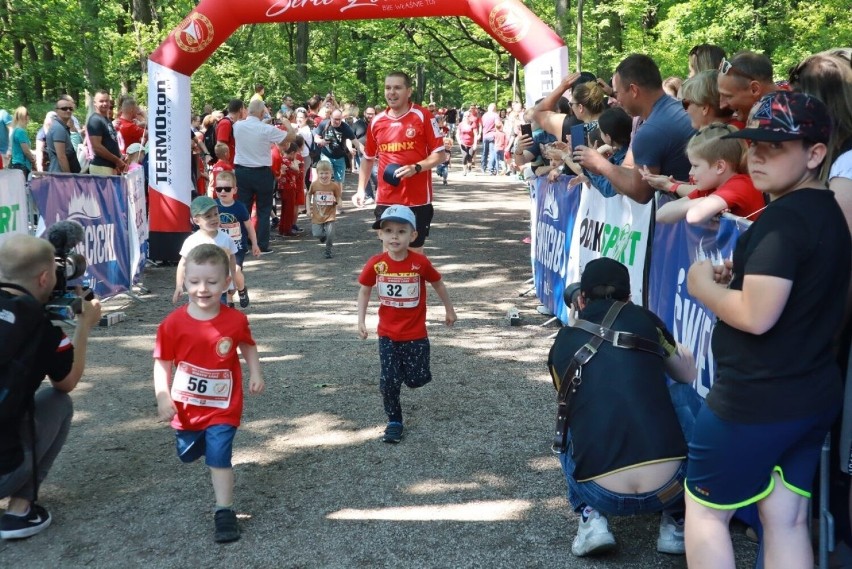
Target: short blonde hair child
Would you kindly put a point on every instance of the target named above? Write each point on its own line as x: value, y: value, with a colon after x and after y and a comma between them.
x: 221, y: 150
x: 226, y: 175
x: 709, y: 145
x: 324, y: 166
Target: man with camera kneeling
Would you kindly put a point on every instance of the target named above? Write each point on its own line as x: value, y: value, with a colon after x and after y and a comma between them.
x: 620, y: 429
x: 33, y: 429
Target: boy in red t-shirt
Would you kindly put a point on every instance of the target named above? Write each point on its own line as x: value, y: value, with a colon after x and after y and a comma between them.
x: 400, y: 275
x: 198, y: 378
x: 221, y: 165
x: 717, y: 166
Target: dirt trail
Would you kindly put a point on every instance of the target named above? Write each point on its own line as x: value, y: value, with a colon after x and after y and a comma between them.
x: 473, y: 484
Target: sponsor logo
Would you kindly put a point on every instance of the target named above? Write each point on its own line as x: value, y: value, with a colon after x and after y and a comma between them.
x: 396, y: 146
x: 411, y: 132
x: 551, y: 208
x: 223, y: 346
x: 194, y: 33
x: 508, y: 22
x: 381, y: 268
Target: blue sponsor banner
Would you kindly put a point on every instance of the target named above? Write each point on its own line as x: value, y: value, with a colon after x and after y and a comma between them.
x: 555, y: 212
x: 99, y: 204
x: 676, y: 247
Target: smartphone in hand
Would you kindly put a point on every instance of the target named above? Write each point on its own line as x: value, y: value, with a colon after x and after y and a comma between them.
x: 578, y: 136
x: 526, y: 129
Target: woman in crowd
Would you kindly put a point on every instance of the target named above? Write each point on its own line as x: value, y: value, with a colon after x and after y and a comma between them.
x: 22, y: 156
x: 705, y: 57
x: 42, y: 159
x: 700, y: 98
x: 588, y: 101
x: 467, y: 137
x: 672, y: 85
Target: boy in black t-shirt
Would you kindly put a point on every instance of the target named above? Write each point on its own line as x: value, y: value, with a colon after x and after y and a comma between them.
x: 779, y: 301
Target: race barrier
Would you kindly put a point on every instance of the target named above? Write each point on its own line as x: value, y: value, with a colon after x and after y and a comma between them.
x: 13, y: 203
x: 571, y: 227
x: 111, y: 210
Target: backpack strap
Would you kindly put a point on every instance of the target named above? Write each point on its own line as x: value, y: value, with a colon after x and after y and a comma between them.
x: 573, y: 377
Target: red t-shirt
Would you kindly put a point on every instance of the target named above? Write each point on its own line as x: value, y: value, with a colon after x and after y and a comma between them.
x: 225, y: 133
x: 402, y: 293
x: 467, y: 133
x: 130, y: 133
x: 207, y: 385
x: 739, y: 193
x: 404, y: 140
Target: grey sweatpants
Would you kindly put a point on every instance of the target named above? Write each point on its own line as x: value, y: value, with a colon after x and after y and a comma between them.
x: 53, y: 412
x: 324, y: 230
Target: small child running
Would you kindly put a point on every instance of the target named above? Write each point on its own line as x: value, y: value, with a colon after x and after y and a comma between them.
x: 234, y: 220
x: 323, y: 197
x: 221, y: 165
x: 205, y: 214
x: 198, y: 379
x: 400, y: 276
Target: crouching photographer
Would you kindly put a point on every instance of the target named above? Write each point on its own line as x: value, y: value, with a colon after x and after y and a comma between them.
x: 620, y: 432
x: 34, y: 423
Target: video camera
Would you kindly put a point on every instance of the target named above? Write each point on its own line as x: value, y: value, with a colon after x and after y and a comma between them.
x: 571, y: 294
x: 64, y: 303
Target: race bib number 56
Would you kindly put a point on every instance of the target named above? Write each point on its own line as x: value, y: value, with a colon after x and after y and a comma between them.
x: 203, y: 387
x: 399, y: 291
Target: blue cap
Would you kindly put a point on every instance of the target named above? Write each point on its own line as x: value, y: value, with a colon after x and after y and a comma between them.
x: 388, y: 174
x: 399, y: 214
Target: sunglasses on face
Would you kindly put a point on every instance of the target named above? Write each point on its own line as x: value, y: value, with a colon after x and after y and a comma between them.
x: 64, y: 108
x: 224, y: 189
x: 726, y: 67
x: 685, y: 104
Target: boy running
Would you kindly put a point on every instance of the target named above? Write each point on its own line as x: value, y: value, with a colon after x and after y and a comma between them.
x: 198, y: 379
x: 323, y: 197
x: 400, y: 276
x: 234, y: 221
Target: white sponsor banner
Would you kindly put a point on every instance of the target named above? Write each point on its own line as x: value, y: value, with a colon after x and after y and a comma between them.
x: 615, y: 227
x: 13, y: 203
x: 137, y: 222
x: 544, y: 73
x: 169, y: 132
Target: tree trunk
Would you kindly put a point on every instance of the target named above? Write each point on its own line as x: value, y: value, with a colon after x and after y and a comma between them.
x: 563, y: 18
x: 35, y: 71
x: 420, y: 87
x: 93, y: 67
x: 49, y: 59
x: 142, y: 11
x: 579, y: 46
x: 302, y: 44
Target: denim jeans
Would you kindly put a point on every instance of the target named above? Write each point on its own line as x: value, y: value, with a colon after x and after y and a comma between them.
x: 487, y: 151
x: 686, y: 403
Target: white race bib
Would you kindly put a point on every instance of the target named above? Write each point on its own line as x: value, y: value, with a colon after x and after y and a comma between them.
x: 399, y: 291
x: 203, y: 387
x: 324, y: 198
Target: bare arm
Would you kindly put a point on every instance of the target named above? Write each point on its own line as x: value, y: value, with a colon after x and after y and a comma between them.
x: 673, y: 211
x: 256, y: 383
x: 450, y: 317
x: 59, y: 147
x: 427, y: 163
x: 179, y: 274
x: 363, y: 178
x: 754, y: 309
x: 626, y: 179
x: 90, y: 316
x: 363, y: 300
x: 40, y: 165
x: 100, y: 150
x: 162, y: 379
x: 842, y: 188
x: 252, y: 238
x: 703, y: 209
x: 680, y: 366
x: 543, y: 113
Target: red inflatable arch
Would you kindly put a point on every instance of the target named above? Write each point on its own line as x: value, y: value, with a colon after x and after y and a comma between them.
x: 513, y: 25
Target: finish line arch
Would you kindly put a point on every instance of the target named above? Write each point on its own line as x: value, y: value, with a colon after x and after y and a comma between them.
x: 541, y: 51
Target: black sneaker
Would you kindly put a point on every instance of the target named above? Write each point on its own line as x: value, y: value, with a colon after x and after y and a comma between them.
x: 393, y: 433
x: 322, y: 238
x: 244, y: 297
x: 14, y: 527
x: 227, y: 529
x: 328, y: 254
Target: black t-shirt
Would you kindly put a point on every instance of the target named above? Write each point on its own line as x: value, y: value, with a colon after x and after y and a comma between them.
x: 98, y: 125
x: 55, y: 357
x: 335, y: 138
x: 359, y: 127
x: 622, y: 414
x: 789, y: 372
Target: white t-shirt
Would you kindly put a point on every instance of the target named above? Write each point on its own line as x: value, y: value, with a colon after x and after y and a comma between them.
x: 308, y: 135
x: 842, y: 167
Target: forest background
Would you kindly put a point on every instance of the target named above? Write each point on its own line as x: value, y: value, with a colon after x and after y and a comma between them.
x: 50, y: 47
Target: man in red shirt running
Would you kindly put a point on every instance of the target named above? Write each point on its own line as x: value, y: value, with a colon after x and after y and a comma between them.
x: 407, y: 142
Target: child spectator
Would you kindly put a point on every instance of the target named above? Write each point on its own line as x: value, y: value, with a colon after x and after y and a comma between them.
x: 443, y: 169
x: 291, y: 181
x: 221, y: 165
x: 135, y: 153
x: 779, y: 303
x: 717, y: 165
x: 203, y: 399
x: 500, y: 141
x: 234, y: 221
x: 323, y: 198
x: 400, y: 276
x: 205, y: 214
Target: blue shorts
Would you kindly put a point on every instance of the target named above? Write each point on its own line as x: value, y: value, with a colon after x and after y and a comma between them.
x: 731, y: 464
x: 215, y: 443
x: 240, y: 257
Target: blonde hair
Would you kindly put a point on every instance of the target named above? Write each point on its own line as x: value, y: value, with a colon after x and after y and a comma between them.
x: 709, y: 145
x: 226, y: 175
x: 221, y: 150
x: 20, y: 116
x: 209, y: 254
x: 591, y: 96
x: 324, y: 166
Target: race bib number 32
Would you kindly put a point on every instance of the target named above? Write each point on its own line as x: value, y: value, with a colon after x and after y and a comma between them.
x: 202, y: 387
x: 399, y: 291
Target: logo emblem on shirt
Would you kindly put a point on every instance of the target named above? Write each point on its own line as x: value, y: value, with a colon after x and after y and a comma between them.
x: 411, y: 132
x: 194, y: 33
x: 415, y: 267
x: 381, y: 268
x: 223, y: 346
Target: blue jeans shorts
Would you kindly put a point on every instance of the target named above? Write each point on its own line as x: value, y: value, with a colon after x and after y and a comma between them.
x: 731, y: 464
x: 215, y: 443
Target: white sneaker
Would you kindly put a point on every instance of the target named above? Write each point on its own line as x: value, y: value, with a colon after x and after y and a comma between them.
x: 593, y: 536
x: 542, y: 309
x: 671, y: 536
